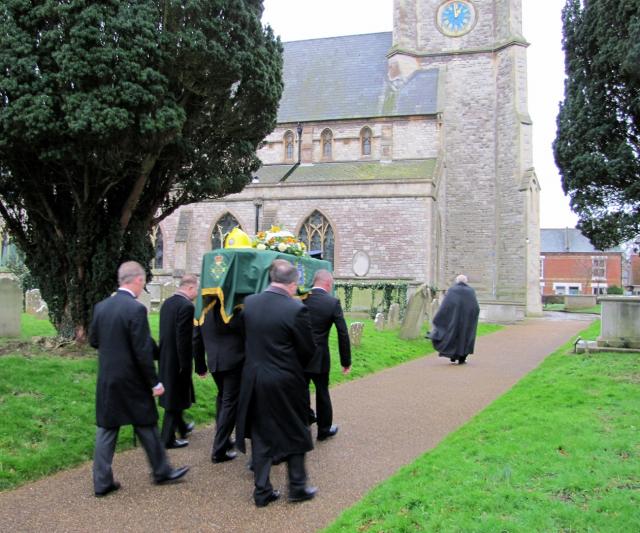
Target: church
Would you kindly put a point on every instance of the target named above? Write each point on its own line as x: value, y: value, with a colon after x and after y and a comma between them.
x: 401, y: 155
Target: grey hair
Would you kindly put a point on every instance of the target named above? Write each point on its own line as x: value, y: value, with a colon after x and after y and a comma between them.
x: 282, y: 271
x: 461, y: 278
x: 129, y: 271
x: 187, y: 280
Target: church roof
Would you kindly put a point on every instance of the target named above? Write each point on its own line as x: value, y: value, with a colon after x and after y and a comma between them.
x: 349, y: 171
x: 567, y: 240
x: 346, y: 77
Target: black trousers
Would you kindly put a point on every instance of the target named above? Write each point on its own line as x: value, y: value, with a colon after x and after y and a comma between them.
x: 106, y: 439
x: 324, y: 410
x: 228, y: 384
x: 261, y: 463
x: 172, y: 421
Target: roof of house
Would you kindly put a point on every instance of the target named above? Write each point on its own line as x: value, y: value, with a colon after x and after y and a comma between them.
x: 346, y: 77
x: 567, y: 240
x: 349, y: 171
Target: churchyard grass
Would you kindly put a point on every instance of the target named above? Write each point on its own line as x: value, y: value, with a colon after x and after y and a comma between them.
x: 558, y: 452
x: 47, y: 401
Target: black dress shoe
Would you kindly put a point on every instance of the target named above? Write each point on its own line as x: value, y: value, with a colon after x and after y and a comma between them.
x: 308, y: 493
x: 111, y: 488
x: 174, y: 475
x: 187, y: 429
x: 275, y: 495
x: 328, y: 434
x: 177, y: 443
x: 228, y: 456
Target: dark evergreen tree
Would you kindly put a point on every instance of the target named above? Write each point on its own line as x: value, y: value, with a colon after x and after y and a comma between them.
x: 597, y: 147
x: 115, y: 113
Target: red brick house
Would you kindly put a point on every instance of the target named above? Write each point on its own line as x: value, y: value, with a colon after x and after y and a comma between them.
x: 569, y: 264
x: 634, y: 275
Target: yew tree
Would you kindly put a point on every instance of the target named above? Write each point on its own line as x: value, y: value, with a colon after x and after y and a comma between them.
x: 597, y: 147
x: 112, y: 115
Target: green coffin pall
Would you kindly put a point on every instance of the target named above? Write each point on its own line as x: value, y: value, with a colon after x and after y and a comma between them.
x: 230, y: 274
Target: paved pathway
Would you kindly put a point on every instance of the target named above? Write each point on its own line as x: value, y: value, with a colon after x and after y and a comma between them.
x: 386, y: 421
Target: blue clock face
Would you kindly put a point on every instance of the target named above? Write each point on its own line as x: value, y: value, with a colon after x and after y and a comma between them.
x: 456, y: 17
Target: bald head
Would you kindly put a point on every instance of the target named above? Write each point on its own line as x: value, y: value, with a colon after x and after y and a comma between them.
x: 282, y: 271
x: 462, y: 279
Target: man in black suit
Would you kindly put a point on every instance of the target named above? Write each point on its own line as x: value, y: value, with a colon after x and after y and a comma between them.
x: 325, y: 311
x: 127, y: 381
x: 175, y: 368
x: 273, y: 408
x: 224, y: 346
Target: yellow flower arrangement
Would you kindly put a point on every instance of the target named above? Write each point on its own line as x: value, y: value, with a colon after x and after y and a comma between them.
x: 279, y: 240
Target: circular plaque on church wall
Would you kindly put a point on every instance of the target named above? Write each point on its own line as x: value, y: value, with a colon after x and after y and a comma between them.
x: 360, y: 263
x: 455, y: 18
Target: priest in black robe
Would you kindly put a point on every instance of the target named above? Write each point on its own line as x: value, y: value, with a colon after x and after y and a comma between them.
x: 455, y: 323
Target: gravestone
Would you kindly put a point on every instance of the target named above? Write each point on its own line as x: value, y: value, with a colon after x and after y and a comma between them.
x: 379, y: 322
x: 167, y: 290
x: 416, y: 313
x: 393, y: 318
x: 355, y: 333
x: 145, y: 299
x: 620, y: 325
x: 35, y: 305
x: 10, y: 307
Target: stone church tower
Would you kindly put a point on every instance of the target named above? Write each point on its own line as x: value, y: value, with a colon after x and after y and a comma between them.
x: 487, y: 216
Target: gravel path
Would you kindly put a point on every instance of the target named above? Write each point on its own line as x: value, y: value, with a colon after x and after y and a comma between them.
x: 386, y: 420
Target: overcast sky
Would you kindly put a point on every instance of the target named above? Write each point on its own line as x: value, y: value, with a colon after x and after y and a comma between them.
x: 294, y: 20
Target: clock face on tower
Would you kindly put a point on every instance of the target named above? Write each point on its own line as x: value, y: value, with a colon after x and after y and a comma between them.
x: 456, y: 17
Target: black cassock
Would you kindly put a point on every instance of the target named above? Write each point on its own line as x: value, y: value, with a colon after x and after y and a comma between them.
x: 455, y: 323
x: 126, y: 372
x: 176, y: 359
x: 274, y: 401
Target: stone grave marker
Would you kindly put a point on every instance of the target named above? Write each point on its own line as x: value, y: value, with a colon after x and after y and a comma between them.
x: 167, y: 290
x: 416, y: 313
x: 355, y: 333
x: 10, y: 307
x: 379, y: 322
x: 393, y: 319
x: 35, y: 305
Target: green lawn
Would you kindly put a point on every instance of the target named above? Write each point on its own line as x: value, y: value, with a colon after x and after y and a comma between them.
x: 560, y: 452
x: 47, y: 401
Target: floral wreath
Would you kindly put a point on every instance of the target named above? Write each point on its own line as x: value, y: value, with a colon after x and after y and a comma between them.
x: 279, y: 240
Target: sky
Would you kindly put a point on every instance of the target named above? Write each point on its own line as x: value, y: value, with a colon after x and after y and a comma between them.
x: 295, y: 20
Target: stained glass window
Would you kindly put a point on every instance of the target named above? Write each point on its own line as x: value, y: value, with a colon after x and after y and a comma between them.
x: 221, y: 228
x: 327, y: 141
x: 317, y: 234
x: 288, y: 146
x: 158, y: 247
x: 365, y: 140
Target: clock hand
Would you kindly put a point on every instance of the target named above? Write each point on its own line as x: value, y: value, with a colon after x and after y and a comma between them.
x: 456, y: 10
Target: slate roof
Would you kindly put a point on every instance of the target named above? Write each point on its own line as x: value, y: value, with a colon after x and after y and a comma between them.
x: 567, y: 240
x: 349, y: 171
x: 346, y: 77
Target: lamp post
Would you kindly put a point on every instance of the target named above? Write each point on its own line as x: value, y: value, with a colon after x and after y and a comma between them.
x: 299, y: 129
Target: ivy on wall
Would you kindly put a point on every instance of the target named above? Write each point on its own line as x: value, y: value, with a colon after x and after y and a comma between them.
x: 383, y: 294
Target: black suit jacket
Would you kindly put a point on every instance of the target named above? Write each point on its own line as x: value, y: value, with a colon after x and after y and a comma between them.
x: 126, y: 371
x: 326, y: 311
x: 176, y: 358
x: 223, y: 343
x: 278, y: 346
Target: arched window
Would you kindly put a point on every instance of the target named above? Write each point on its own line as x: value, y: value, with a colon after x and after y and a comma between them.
x: 224, y: 225
x: 288, y: 146
x: 327, y: 142
x: 158, y: 247
x: 365, y: 141
x: 317, y: 234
